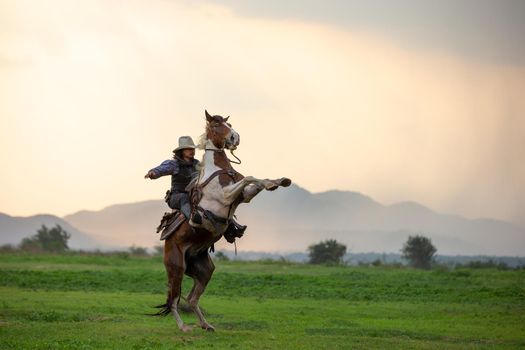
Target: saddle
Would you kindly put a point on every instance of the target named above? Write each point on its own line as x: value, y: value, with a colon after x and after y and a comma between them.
x: 169, y: 223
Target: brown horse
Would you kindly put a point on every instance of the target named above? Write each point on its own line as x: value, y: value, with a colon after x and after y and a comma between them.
x: 216, y: 194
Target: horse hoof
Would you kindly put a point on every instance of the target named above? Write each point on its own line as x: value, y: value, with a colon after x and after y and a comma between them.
x: 208, y: 328
x: 285, y: 182
x: 186, y: 329
x: 272, y: 187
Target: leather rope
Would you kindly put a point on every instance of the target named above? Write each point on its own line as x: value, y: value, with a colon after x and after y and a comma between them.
x: 239, y: 161
x: 210, y: 216
x: 222, y: 150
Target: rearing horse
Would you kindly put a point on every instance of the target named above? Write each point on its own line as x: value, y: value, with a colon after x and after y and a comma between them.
x: 218, y: 191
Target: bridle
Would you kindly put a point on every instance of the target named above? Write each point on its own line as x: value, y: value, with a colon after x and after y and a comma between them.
x: 213, y: 127
x: 222, y: 150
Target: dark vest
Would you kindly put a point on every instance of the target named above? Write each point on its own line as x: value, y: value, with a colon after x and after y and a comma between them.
x: 186, y: 172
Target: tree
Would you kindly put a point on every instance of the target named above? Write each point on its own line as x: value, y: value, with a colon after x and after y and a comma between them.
x: 220, y: 256
x: 138, y: 251
x: 50, y: 240
x: 30, y: 244
x: 158, y: 250
x: 419, y: 251
x: 329, y: 251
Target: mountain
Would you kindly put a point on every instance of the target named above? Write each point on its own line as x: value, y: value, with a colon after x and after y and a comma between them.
x: 14, y: 229
x: 123, y: 224
x: 291, y: 219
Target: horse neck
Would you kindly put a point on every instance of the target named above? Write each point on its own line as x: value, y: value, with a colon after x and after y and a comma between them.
x: 214, y: 159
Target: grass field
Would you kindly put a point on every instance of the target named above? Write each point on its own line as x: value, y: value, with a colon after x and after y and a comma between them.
x: 100, y: 302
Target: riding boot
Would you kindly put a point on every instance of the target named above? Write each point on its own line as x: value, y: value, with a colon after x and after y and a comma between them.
x: 234, y: 230
x: 189, y: 214
x: 185, y: 208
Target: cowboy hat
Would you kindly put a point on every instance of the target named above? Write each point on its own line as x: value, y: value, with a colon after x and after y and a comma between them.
x: 184, y: 143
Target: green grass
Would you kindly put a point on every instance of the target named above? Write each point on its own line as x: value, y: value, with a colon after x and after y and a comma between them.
x: 100, y: 302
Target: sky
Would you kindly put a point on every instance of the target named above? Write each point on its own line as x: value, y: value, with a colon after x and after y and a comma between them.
x: 399, y: 100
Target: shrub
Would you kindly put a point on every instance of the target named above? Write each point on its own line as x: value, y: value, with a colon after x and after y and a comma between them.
x: 138, y: 251
x: 220, y: 256
x: 158, y: 250
x: 419, y: 251
x: 327, y: 252
x: 50, y: 240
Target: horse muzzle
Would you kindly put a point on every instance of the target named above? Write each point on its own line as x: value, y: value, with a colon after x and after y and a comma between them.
x: 233, y: 141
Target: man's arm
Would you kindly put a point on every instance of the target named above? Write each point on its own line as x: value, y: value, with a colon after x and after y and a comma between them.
x: 167, y: 167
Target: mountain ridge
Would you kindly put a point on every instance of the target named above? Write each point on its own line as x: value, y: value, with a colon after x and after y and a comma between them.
x: 293, y: 218
x: 15, y: 228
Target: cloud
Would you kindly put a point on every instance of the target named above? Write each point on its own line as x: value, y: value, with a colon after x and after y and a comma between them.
x: 111, y: 86
x: 481, y: 30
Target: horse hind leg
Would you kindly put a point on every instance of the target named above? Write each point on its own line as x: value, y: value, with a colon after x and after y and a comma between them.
x: 201, y: 269
x: 174, y: 263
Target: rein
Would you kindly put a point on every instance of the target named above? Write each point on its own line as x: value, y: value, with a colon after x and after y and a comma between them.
x: 197, y: 191
x: 231, y: 173
x: 239, y: 161
x: 222, y: 150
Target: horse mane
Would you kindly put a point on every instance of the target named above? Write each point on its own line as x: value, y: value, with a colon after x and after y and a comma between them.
x: 200, y: 145
x: 193, y: 181
x: 202, y: 141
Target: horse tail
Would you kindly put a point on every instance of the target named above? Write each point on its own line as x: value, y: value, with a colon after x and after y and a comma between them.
x: 165, y: 310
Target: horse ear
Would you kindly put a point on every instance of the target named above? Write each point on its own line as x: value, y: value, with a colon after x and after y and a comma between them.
x: 209, y: 118
x: 226, y: 119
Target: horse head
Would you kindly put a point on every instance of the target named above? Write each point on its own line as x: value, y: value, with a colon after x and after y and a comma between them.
x: 220, y: 132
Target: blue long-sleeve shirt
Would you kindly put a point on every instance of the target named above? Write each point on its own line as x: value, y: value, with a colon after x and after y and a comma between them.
x: 181, y: 172
x: 167, y: 167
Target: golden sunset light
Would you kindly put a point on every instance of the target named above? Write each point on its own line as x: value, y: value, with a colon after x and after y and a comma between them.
x: 313, y: 174
x: 95, y: 93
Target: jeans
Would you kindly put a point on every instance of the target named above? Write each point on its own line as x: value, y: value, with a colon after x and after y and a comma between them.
x: 181, y: 201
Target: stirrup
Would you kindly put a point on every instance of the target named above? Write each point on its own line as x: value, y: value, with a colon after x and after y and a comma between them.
x: 233, y: 231
x: 239, y: 229
x: 196, y: 218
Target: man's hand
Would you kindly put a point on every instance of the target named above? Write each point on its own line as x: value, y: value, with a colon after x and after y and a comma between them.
x: 149, y: 175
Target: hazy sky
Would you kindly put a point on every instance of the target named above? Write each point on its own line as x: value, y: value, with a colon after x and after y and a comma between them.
x: 400, y: 100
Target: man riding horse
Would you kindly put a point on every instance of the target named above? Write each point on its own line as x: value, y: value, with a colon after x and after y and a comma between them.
x: 215, y: 195
x: 183, y: 168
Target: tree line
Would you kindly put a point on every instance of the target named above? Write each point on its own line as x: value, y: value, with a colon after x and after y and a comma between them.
x: 417, y: 250
x: 47, y: 240
x: 55, y: 240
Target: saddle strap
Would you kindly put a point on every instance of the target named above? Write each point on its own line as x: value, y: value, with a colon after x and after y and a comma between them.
x: 196, y: 195
x: 230, y: 172
x: 214, y: 219
x: 196, y: 191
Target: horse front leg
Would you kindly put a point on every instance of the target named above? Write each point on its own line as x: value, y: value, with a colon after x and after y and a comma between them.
x: 233, y: 191
x: 271, y: 185
x: 250, y: 191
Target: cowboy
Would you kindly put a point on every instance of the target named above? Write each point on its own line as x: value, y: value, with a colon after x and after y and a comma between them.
x: 182, y: 168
